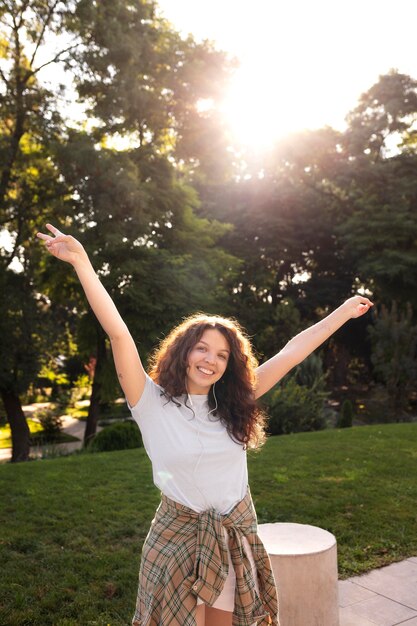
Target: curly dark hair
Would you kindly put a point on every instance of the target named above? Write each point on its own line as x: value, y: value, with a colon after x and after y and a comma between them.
x: 235, y: 391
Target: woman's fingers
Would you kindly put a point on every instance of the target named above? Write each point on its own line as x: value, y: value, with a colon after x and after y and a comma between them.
x: 44, y: 237
x: 47, y: 238
x: 364, y: 305
x: 53, y: 230
x: 358, y: 305
x: 363, y: 302
x: 51, y: 240
x: 61, y: 246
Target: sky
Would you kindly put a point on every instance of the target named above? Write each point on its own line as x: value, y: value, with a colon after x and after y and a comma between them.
x: 303, y: 63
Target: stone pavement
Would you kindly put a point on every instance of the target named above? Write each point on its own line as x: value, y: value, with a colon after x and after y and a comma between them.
x: 383, y: 597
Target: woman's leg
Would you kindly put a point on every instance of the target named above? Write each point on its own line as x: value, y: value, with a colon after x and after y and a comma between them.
x: 216, y: 617
x: 200, y: 615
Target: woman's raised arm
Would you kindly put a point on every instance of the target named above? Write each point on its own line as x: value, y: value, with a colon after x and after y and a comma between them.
x: 303, y: 344
x: 127, y: 361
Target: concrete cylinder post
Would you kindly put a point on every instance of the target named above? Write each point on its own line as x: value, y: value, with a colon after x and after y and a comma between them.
x: 304, y: 561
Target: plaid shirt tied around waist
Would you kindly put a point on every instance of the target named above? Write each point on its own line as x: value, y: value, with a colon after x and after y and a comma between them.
x: 185, y: 556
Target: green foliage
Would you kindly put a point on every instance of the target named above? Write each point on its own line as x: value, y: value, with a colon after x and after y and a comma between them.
x: 5, y: 432
x: 345, y: 419
x: 51, y: 424
x: 310, y: 372
x: 378, y: 408
x: 379, y: 184
x: 295, y: 408
x: 385, y: 112
x: 141, y: 79
x: 384, y: 255
x: 118, y: 436
x: 394, y: 354
x: 340, y: 181
x: 281, y: 323
x: 22, y: 328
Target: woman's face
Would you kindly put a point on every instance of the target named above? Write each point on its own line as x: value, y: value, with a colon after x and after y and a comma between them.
x: 207, y: 361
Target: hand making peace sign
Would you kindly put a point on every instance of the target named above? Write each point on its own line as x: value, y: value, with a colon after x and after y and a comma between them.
x: 63, y: 247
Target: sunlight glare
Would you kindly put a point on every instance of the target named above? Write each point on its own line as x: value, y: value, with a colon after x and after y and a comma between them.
x: 303, y: 64
x: 260, y: 110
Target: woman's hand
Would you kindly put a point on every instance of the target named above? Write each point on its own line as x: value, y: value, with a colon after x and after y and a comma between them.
x: 357, y: 306
x: 63, y: 247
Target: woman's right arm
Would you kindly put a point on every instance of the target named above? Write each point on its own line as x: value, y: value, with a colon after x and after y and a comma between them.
x: 126, y: 358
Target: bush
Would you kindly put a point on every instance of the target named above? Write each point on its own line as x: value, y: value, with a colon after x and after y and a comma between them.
x: 310, y: 372
x: 295, y: 408
x: 345, y: 419
x: 51, y: 424
x: 118, y: 436
x: 379, y: 408
x: 394, y: 355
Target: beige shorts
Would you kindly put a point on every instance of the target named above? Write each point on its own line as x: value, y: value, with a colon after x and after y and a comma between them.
x: 226, y: 600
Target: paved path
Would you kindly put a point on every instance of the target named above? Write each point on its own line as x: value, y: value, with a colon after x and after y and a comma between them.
x: 384, y: 597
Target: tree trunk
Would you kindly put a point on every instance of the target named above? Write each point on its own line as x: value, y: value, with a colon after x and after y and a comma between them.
x: 18, y: 426
x: 94, y: 408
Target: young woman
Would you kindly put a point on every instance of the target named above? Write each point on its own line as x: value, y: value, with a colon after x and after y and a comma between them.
x: 202, y: 562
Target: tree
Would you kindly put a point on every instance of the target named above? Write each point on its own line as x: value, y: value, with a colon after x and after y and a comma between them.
x: 143, y: 83
x: 29, y: 188
x: 157, y: 259
x: 285, y: 232
x: 20, y: 330
x: 383, y: 118
x: 394, y: 354
x: 25, y: 105
x: 380, y: 231
x: 332, y: 212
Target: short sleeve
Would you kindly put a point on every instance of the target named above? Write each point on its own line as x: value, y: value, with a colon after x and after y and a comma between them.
x: 149, y: 402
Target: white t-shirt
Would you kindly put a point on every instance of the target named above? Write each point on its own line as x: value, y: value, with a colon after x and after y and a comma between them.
x: 194, y: 460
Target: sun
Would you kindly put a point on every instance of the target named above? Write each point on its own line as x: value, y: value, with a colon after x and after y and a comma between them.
x: 261, y: 108
x: 251, y: 110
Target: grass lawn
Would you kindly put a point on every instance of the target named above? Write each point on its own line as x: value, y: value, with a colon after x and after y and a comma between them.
x: 72, y: 528
x: 6, y: 437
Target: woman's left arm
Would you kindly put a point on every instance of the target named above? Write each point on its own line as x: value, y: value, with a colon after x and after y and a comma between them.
x: 303, y: 344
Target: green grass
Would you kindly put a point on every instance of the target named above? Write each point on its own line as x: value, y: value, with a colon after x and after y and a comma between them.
x: 6, y: 437
x: 72, y: 528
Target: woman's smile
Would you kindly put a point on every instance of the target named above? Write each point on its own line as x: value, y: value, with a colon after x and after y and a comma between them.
x: 207, y: 361
x: 204, y: 370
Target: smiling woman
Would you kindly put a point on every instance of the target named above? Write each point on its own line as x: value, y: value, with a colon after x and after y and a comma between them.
x: 197, y: 412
